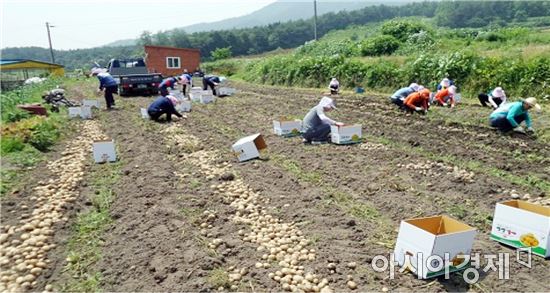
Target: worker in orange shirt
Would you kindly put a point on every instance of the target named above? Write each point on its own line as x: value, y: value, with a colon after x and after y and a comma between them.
x: 446, y: 97
x: 418, y: 101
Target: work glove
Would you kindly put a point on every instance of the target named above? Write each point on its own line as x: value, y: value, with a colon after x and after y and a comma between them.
x: 418, y: 109
x: 519, y: 129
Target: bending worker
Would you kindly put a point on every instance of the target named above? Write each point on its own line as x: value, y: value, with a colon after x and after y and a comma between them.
x: 399, y: 96
x: 107, y: 85
x: 164, y: 105
x: 510, y: 116
x: 418, y: 101
x: 446, y: 97
x: 168, y: 83
x: 317, y: 124
x: 211, y: 81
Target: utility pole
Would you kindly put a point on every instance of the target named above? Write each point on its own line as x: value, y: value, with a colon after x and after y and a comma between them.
x: 50, y: 40
x: 315, y: 19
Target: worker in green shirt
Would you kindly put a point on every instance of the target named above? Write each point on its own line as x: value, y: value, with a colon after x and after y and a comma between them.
x: 509, y: 116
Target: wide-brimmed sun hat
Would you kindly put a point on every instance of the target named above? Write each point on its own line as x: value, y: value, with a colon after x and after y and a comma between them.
x: 532, y: 102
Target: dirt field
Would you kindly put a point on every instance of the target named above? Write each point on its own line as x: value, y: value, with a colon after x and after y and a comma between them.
x: 188, y: 217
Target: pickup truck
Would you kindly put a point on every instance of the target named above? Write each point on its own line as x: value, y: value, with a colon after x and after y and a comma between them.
x: 132, y: 77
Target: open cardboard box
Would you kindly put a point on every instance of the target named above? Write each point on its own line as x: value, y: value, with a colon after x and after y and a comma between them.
x: 144, y: 113
x: 249, y: 147
x: 521, y: 224
x: 286, y: 127
x: 207, y: 98
x: 225, y: 91
x: 421, y: 238
x: 74, y: 112
x: 184, y: 106
x: 104, y: 151
x: 196, y: 95
x: 84, y: 112
x: 90, y: 103
x: 346, y: 134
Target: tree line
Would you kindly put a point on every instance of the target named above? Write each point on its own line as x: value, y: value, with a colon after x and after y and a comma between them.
x: 295, y: 33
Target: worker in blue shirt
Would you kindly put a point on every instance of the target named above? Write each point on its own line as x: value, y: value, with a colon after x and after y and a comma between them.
x: 186, y: 81
x: 107, y: 85
x: 211, y: 81
x: 164, y: 105
x: 509, y: 116
x: 168, y: 83
x: 399, y: 96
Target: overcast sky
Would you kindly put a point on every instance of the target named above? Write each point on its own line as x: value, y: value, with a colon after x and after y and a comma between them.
x: 86, y: 23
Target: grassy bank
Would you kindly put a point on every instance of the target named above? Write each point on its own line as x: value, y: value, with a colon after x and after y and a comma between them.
x: 26, y: 138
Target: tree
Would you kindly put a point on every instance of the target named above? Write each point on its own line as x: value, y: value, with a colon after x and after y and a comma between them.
x: 221, y: 53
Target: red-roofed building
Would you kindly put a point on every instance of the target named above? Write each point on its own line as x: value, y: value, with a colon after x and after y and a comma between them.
x: 171, y: 61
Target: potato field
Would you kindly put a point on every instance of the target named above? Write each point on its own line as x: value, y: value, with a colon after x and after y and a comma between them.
x: 178, y: 212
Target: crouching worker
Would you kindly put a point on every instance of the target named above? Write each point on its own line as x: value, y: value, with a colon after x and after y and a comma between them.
x: 446, y: 97
x: 164, y: 105
x: 418, y: 101
x: 334, y: 86
x: 399, y: 96
x: 494, y: 99
x: 509, y: 116
x: 316, y: 124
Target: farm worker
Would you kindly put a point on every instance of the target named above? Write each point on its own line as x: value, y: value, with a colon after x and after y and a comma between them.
x: 445, y: 83
x: 496, y: 98
x: 317, y: 124
x: 399, y: 96
x: 446, y: 97
x: 509, y: 116
x: 107, y: 84
x: 164, y: 105
x: 211, y: 81
x: 186, y: 79
x: 168, y: 83
x: 418, y: 101
x: 334, y: 86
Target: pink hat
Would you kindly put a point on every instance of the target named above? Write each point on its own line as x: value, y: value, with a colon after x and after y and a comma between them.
x: 452, y: 90
x: 498, y: 93
x: 172, y: 99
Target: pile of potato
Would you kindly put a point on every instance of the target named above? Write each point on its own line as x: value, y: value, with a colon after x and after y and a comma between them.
x: 540, y: 200
x: 372, y: 146
x: 24, y: 247
x: 435, y: 169
x: 281, y: 243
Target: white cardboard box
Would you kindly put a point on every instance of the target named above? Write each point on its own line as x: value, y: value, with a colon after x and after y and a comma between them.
x: 249, y: 147
x: 284, y: 127
x: 225, y: 91
x: 196, y: 95
x: 104, y: 151
x: 184, y: 106
x: 522, y: 224
x: 74, y: 112
x: 207, y: 98
x: 144, y: 113
x: 346, y: 134
x: 432, y: 246
x: 84, y: 112
x: 91, y: 103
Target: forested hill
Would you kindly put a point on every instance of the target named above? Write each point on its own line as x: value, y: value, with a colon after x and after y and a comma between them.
x: 286, y: 10
x: 294, y: 33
